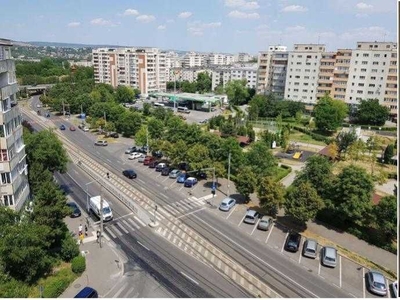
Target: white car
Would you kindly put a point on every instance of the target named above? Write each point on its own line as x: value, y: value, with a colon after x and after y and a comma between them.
x: 39, y: 105
x: 85, y: 129
x: 134, y: 155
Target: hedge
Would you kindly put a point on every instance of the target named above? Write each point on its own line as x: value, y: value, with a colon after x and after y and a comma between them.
x: 78, y: 264
x: 315, y: 136
x: 55, y: 285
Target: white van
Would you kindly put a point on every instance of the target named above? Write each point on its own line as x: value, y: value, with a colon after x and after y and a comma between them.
x: 183, y: 109
x: 159, y: 104
x: 94, y: 206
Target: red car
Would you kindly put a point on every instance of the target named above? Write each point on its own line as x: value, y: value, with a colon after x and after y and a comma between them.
x: 148, y: 160
x: 72, y: 128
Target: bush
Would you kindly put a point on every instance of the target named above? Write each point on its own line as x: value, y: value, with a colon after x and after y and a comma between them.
x: 282, y: 172
x: 392, y: 175
x: 55, y: 285
x: 69, y: 248
x: 78, y: 264
x: 14, y: 289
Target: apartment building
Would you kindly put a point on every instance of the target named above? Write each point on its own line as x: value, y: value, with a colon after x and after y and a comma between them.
x: 141, y: 68
x: 14, y: 186
x: 242, y: 57
x: 190, y: 74
x: 193, y: 59
x: 390, y: 95
x: 341, y: 74
x: 325, y: 75
x: 272, y: 68
x: 236, y: 72
x: 218, y: 59
x: 303, y: 73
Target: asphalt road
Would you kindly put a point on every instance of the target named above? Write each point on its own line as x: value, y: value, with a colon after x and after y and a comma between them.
x: 288, y: 279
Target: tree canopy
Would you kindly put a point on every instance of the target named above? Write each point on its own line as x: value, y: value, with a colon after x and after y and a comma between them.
x: 237, y: 92
x: 329, y: 113
x: 370, y: 112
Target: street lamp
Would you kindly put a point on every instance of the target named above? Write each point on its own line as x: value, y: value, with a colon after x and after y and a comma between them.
x: 101, y: 205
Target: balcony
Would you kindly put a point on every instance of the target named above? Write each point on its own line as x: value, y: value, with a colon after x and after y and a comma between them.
x: 9, y: 90
x: 6, y: 65
x: 325, y: 81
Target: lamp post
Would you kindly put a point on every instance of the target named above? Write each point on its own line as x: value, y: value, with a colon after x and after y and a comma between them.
x: 101, y: 205
x: 229, y: 172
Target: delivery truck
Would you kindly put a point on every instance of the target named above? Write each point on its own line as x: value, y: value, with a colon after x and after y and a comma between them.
x: 94, y: 206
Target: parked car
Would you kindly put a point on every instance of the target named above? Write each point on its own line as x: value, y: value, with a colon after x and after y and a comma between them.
x: 160, y: 166
x: 101, y: 143
x: 39, y: 105
x: 112, y: 134
x: 153, y: 164
x: 251, y: 217
x: 134, y: 155
x: 72, y: 128
x: 157, y: 154
x: 265, y: 223
x: 142, y: 149
x: 174, y: 173
x: 376, y: 283
x: 62, y: 127
x: 329, y: 257
x: 129, y: 173
x: 395, y: 293
x: 310, y: 247
x: 75, y: 211
x: 165, y: 171
x: 227, y: 204
x: 148, y: 160
x: 292, y: 243
x: 85, y: 129
x: 183, y: 166
x: 130, y: 150
x: 201, y: 175
x: 87, y: 292
x: 182, y: 177
x: 141, y: 158
x: 190, y: 182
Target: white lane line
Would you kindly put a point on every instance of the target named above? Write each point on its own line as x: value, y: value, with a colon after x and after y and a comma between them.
x: 165, y: 196
x: 123, y: 228
x: 255, y: 227
x: 241, y: 221
x: 340, y: 270
x: 269, y: 234
x: 164, y: 212
x: 184, y: 204
x: 190, y: 278
x: 259, y: 259
x: 319, y: 268
x: 231, y: 212
x: 300, y: 255
x: 116, y: 229
x: 141, y: 180
x: 120, y: 290
x: 363, y: 279
x: 140, y: 221
x: 193, y: 212
x: 179, y: 207
x: 181, y: 188
x: 128, y: 225
x: 165, y: 179
x: 134, y: 224
x: 110, y: 232
x: 283, y: 245
x: 172, y: 210
x: 108, y: 160
x: 388, y: 292
x: 129, y: 292
x: 143, y: 246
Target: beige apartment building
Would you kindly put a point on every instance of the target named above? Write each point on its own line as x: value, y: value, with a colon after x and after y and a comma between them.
x: 14, y: 186
x: 141, y: 68
x: 341, y: 74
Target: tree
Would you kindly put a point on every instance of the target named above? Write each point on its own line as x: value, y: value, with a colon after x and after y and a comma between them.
x: 156, y: 128
x: 236, y: 91
x: 352, y: 194
x: 389, y: 152
x: 129, y: 123
x: 370, y: 112
x: 329, y: 113
x: 198, y: 157
x: 356, y: 150
x: 228, y: 129
x: 141, y: 136
x: 231, y: 145
x: 344, y: 140
x: 203, y: 82
x: 261, y: 159
x: 257, y: 107
x: 178, y: 153
x: 386, y: 217
x: 146, y: 109
x: 271, y: 194
x: 302, y: 202
x: 219, y: 90
x: 245, y: 182
x: 124, y: 94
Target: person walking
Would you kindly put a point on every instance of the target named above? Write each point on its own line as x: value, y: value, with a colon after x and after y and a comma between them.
x: 98, y: 236
x: 86, y: 230
x: 80, y: 228
x: 81, y: 237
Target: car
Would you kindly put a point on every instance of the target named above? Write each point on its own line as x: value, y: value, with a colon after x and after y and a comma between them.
x: 157, y: 154
x: 165, y: 171
x: 310, y: 248
x: 265, y: 223
x: 153, y: 164
x: 101, y: 143
x: 142, y: 149
x: 395, y: 293
x: 38, y: 105
x: 141, y: 158
x: 182, y: 177
x: 376, y: 283
x: 292, y: 243
x: 87, y: 292
x: 251, y: 216
x: 75, y: 211
x: 160, y: 166
x: 62, y: 127
x: 112, y: 134
x: 190, y: 182
x: 174, y: 173
x: 203, y: 121
x: 183, y: 166
x: 134, y: 155
x: 130, y: 150
x: 148, y: 160
x: 329, y: 256
x: 47, y: 115
x: 201, y: 175
x: 129, y: 173
x: 72, y: 128
x: 227, y: 204
x: 85, y: 129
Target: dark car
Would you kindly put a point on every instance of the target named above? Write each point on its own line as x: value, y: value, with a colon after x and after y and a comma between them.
x: 160, y: 166
x: 201, y: 175
x: 157, y: 154
x: 62, y: 127
x: 293, y: 242
x: 130, y: 150
x: 183, y: 166
x: 129, y: 173
x: 75, y: 211
x: 113, y: 134
x: 153, y: 164
x: 182, y: 177
x: 87, y: 292
x: 142, y: 149
x: 165, y: 171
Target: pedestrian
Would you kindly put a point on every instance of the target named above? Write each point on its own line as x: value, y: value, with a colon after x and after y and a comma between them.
x: 86, y: 230
x: 81, y: 237
x: 80, y: 229
x: 98, y: 236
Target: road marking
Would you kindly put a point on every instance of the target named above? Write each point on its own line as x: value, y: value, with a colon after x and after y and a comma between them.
x: 121, y: 217
x: 165, y: 196
x: 130, y: 291
x: 123, y: 228
x: 283, y: 245
x: 300, y: 256
x: 143, y: 246
x: 269, y: 234
x: 109, y: 160
x: 120, y: 290
x: 134, y: 224
x: 172, y: 210
x: 241, y: 221
x: 165, y: 179
x: 255, y: 227
x: 388, y: 289
x: 363, y: 277
x: 352, y: 295
x: 190, y: 278
x: 140, y: 221
x: 164, y: 212
x: 141, y: 180
x: 259, y: 259
x: 319, y: 268
x: 193, y: 212
x: 116, y: 229
x: 110, y: 232
x: 169, y: 235
x: 340, y: 270
x: 172, y: 183
x: 128, y: 225
x: 181, y: 188
x: 231, y: 212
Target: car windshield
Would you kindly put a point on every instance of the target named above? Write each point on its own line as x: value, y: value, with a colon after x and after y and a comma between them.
x: 330, y: 258
x: 379, y: 285
x: 106, y: 210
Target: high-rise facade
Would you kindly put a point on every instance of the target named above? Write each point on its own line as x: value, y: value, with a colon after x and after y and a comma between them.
x: 14, y: 186
x: 141, y: 68
x: 248, y: 72
x: 341, y: 74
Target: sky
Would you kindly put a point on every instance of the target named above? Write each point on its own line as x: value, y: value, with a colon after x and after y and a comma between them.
x: 227, y: 26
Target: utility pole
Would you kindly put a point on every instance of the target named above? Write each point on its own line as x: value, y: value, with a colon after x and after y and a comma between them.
x: 63, y: 105
x: 105, y: 118
x: 229, y: 172
x: 147, y: 140
x: 175, y: 91
x: 101, y: 215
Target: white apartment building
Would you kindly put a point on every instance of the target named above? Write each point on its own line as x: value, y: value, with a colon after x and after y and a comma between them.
x: 303, y: 73
x: 193, y: 59
x: 325, y: 75
x: 272, y: 68
x: 242, y: 57
x: 218, y: 59
x: 237, y: 72
x: 141, y: 68
x: 14, y: 186
x: 341, y: 74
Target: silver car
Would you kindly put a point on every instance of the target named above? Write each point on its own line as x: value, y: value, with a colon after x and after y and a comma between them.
x: 265, y: 223
x: 251, y: 217
x: 174, y: 173
x: 227, y: 204
x: 141, y: 158
x: 310, y: 248
x: 329, y: 257
x: 376, y: 283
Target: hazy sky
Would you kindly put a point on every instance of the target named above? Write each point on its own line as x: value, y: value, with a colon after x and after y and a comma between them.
x: 200, y: 25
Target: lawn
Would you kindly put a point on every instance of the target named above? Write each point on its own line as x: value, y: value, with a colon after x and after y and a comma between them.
x: 297, y: 136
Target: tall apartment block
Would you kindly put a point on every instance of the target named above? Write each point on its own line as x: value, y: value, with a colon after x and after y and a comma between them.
x: 236, y: 72
x: 373, y: 74
x: 193, y: 59
x: 341, y: 74
x: 242, y: 57
x: 218, y: 59
x: 325, y: 74
x: 14, y: 186
x: 141, y: 68
x: 272, y: 68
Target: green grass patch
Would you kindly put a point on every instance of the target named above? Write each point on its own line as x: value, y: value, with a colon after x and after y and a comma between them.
x: 297, y: 136
x: 282, y: 172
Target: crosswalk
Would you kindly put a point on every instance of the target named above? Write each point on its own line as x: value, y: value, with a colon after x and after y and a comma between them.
x: 123, y: 226
x: 179, y: 207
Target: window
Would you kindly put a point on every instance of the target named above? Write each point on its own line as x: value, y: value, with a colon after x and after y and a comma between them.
x: 375, y: 63
x: 361, y: 84
x: 365, y: 55
x: 3, y: 155
x: 374, y: 70
x: 376, y: 55
x: 5, y: 178
x: 359, y: 92
x: 371, y: 85
x: 362, y: 77
x: 364, y: 62
x: 373, y: 77
x: 370, y: 93
x: 363, y: 70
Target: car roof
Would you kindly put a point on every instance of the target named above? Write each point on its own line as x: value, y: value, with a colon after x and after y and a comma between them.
x: 227, y: 200
x: 265, y: 218
x: 72, y: 204
x: 330, y: 251
x: 251, y: 212
x: 130, y: 171
x: 377, y: 277
x: 311, y: 243
x: 191, y: 178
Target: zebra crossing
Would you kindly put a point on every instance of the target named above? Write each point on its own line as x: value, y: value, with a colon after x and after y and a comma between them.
x: 123, y: 226
x: 182, y: 206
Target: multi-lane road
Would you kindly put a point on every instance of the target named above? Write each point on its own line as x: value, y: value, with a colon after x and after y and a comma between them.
x: 192, y: 276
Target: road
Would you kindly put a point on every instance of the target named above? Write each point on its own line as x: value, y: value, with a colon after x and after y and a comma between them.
x: 289, y: 279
